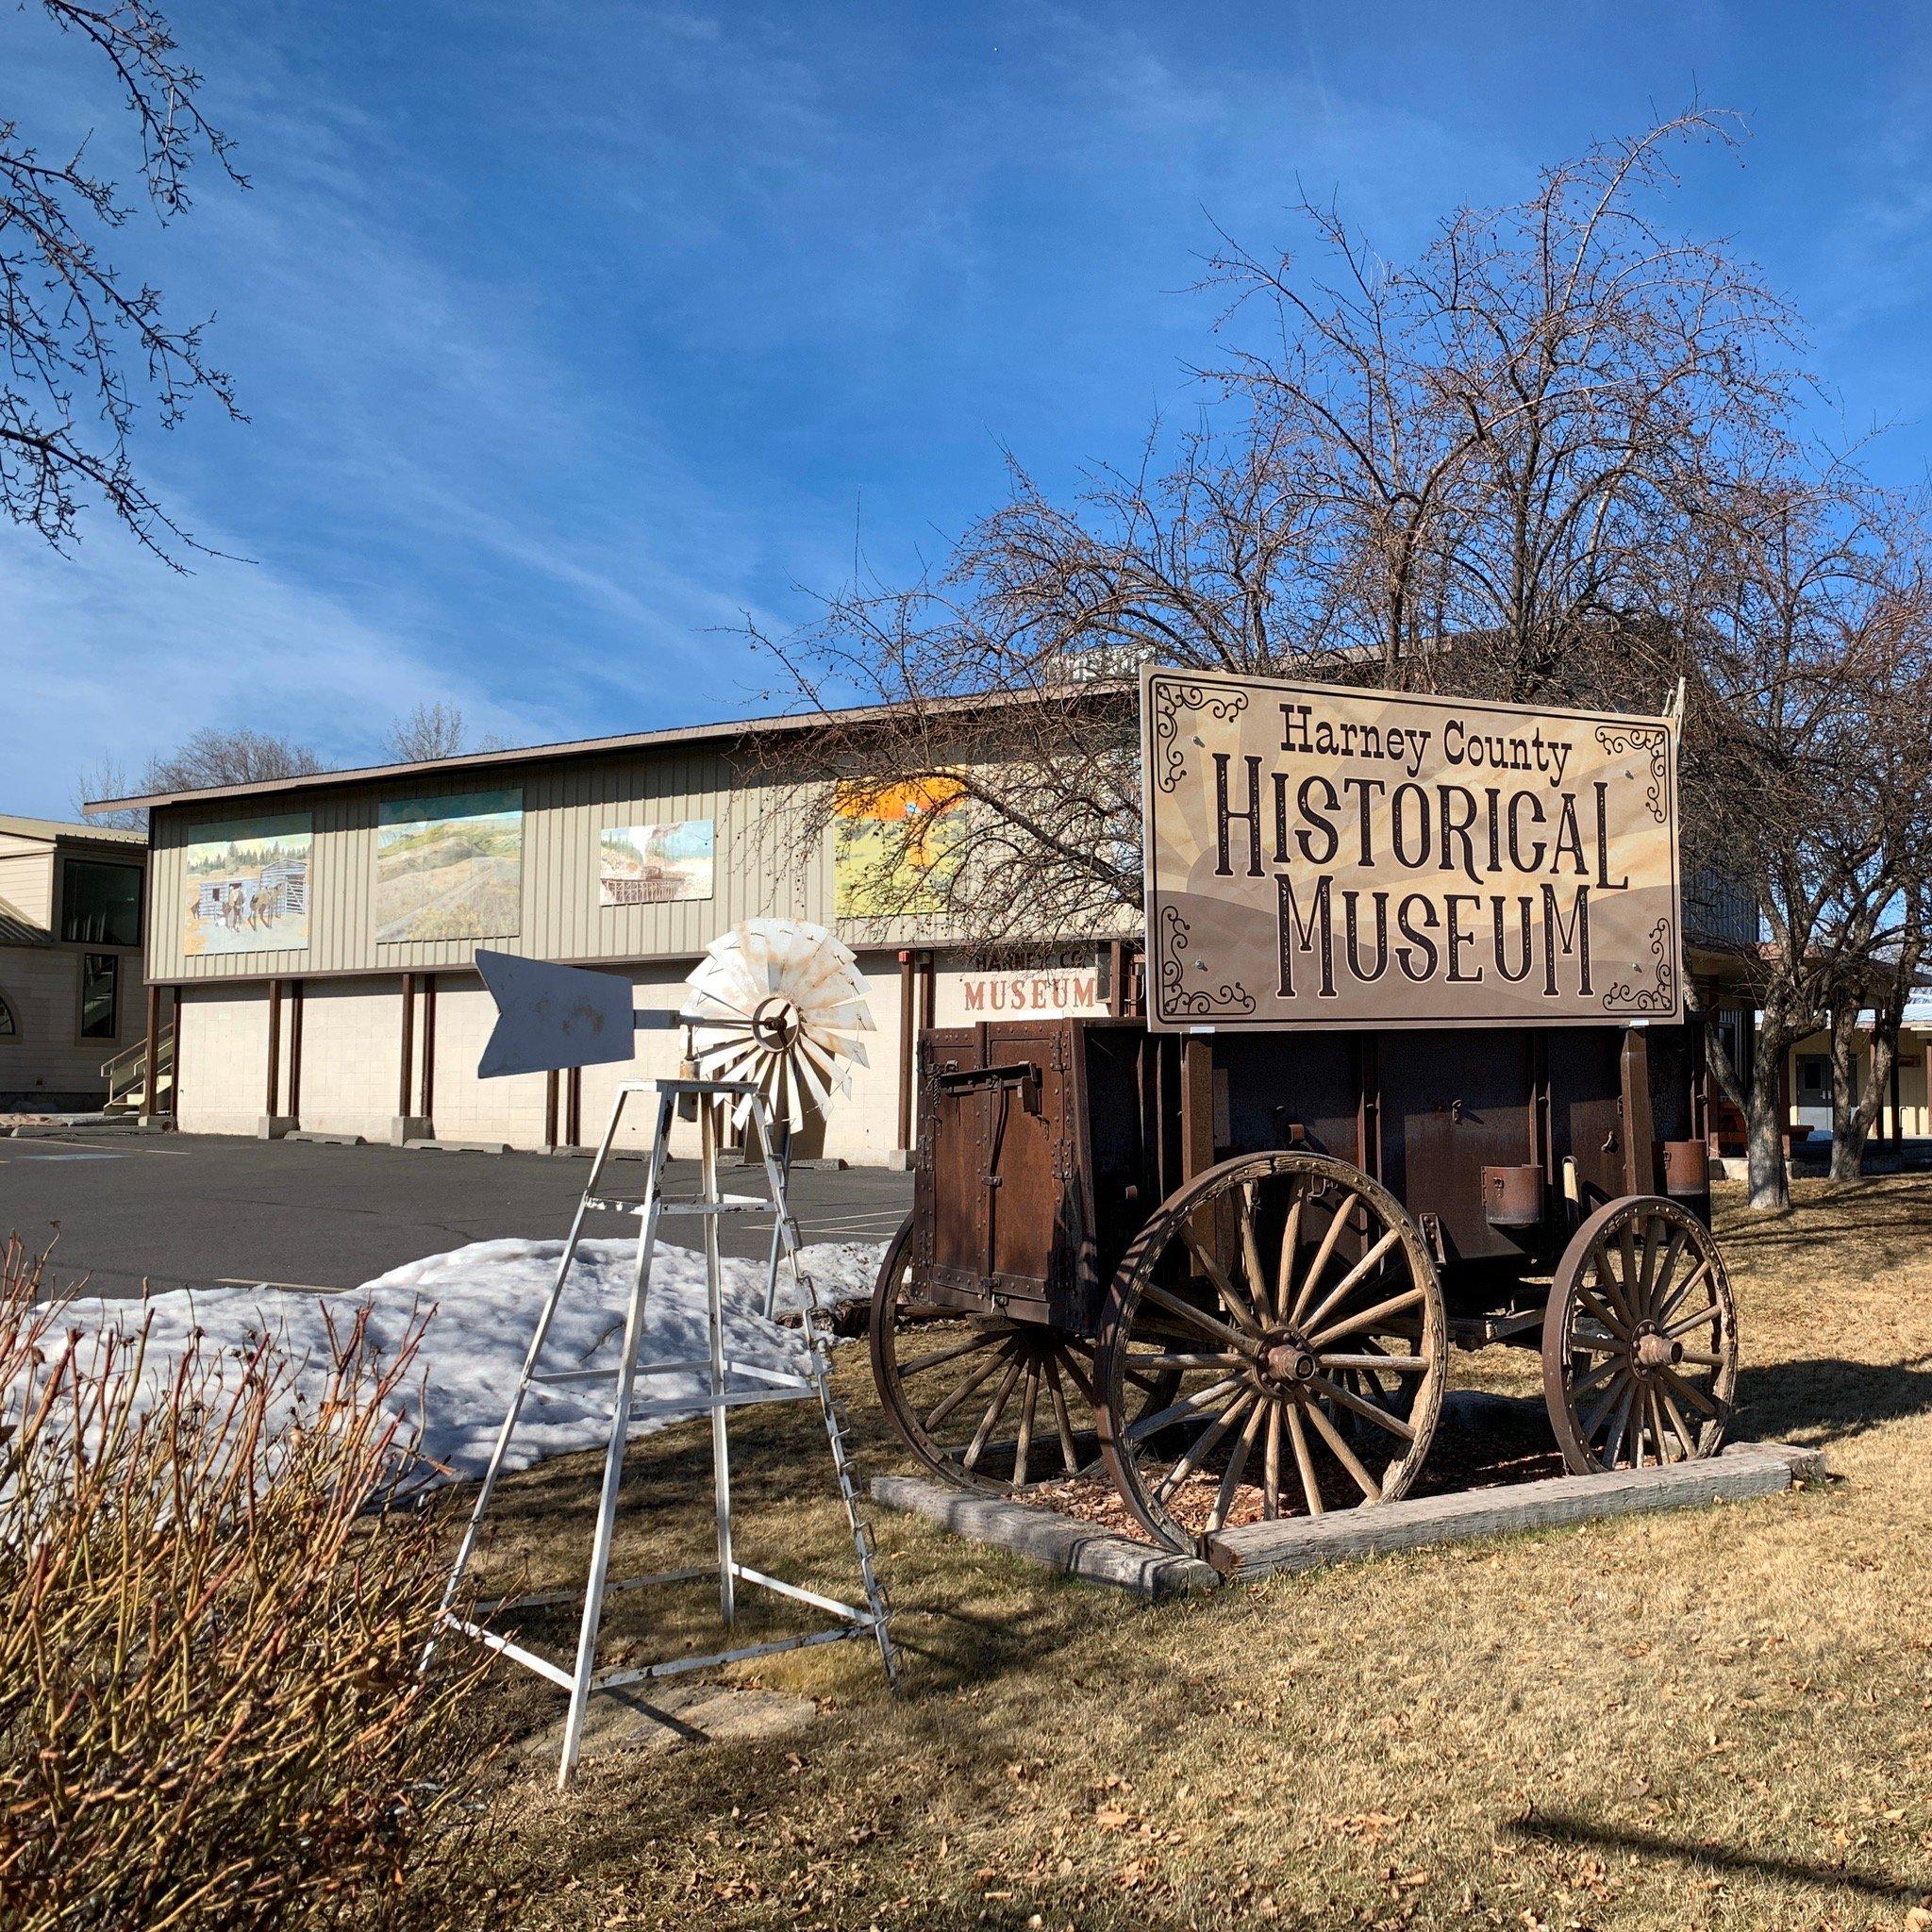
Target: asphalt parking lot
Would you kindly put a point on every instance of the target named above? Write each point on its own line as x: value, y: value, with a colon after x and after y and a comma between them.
x: 177, y: 1211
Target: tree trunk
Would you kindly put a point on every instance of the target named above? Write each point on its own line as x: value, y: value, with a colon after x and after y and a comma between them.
x: 1847, y: 1135
x: 1764, y: 1147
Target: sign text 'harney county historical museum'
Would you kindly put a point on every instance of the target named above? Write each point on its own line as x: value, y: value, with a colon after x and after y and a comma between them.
x: 1322, y: 855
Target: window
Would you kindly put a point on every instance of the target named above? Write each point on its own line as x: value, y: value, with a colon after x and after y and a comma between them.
x: 10, y: 1022
x: 100, y: 995
x: 100, y: 903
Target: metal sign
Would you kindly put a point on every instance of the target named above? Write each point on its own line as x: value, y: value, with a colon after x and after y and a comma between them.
x: 1321, y: 856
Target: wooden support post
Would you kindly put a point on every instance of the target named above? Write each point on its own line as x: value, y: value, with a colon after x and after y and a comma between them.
x: 550, y: 1087
x: 1197, y: 1104
x: 151, y: 1084
x: 175, y: 1086
x: 1367, y: 1105
x: 1116, y: 977
x: 406, y: 1073
x: 296, y: 992
x: 928, y: 991
x: 428, y: 1107
x: 573, y: 1106
x: 907, y: 1057
x: 1898, y: 1131
x: 1640, y: 1148
x: 273, y: 1098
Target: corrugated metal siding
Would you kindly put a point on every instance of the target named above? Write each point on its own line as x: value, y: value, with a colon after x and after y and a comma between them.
x: 565, y: 807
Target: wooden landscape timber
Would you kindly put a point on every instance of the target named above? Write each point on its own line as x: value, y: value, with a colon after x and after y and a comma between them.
x: 1066, y: 1544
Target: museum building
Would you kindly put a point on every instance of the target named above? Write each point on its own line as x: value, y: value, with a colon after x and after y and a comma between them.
x: 310, y: 941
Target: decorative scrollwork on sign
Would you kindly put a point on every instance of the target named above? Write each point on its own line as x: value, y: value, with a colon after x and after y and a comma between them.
x: 1647, y: 741
x: 1176, y: 1000
x: 1172, y: 698
x: 1659, y: 998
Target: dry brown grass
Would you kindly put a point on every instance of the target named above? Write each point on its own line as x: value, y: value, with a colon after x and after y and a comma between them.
x: 1720, y: 1718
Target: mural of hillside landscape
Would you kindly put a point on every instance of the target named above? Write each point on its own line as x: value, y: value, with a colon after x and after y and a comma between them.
x: 653, y: 865
x: 889, y: 841
x: 449, y: 868
x: 247, y: 886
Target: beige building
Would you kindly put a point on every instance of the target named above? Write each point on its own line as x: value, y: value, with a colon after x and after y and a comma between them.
x: 317, y: 936
x: 72, y: 998
x: 1902, y: 1116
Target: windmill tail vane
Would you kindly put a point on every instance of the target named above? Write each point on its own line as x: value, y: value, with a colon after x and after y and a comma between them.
x: 776, y: 1004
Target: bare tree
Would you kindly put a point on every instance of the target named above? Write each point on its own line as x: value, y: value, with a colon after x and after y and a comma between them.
x: 1494, y: 444
x: 436, y: 730
x: 80, y: 341
x: 1801, y: 629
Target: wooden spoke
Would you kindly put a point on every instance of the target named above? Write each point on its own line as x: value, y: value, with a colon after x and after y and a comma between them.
x: 1620, y: 1329
x: 941, y: 1356
x: 1354, y: 1278
x: 1069, y: 1454
x: 1251, y: 1259
x: 994, y: 1409
x: 1190, y: 1408
x: 1350, y: 1348
x: 1398, y: 1364
x: 973, y: 1379
x: 1685, y: 1434
x: 1678, y: 1385
x: 1312, y: 1280
x: 1684, y: 1323
x: 1621, y: 1386
x: 1205, y: 1445
x: 1290, y: 1247
x: 1368, y: 1318
x: 1371, y: 1411
x: 1616, y: 1390
x: 1344, y: 1454
x: 1304, y: 1462
x: 1023, y: 1449
x: 1665, y: 1268
x: 1231, y: 1477
x: 1615, y: 1444
x: 1668, y: 1305
x: 1646, y: 1273
x: 1209, y: 1265
x: 1199, y: 1318
x: 964, y: 1394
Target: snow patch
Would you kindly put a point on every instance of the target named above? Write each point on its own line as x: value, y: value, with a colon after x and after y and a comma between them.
x: 478, y: 1307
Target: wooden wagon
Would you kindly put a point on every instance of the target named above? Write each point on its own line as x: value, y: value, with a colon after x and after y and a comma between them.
x: 1227, y: 1254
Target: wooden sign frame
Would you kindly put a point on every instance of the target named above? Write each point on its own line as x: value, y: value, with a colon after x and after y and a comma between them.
x: 1328, y: 856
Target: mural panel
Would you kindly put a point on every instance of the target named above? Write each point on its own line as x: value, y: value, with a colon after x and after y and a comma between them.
x: 890, y: 843
x: 449, y: 868
x: 654, y: 865
x: 248, y: 886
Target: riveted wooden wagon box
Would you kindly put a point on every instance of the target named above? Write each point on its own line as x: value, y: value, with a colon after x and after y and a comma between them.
x: 1413, y: 1075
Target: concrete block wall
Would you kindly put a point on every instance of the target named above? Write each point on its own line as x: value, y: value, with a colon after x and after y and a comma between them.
x: 223, y: 1060
x: 351, y: 1044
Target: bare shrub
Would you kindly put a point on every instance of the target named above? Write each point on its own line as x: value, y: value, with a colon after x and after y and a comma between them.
x: 209, y: 1707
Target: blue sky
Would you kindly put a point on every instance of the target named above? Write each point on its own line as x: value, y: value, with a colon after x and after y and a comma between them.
x: 571, y: 333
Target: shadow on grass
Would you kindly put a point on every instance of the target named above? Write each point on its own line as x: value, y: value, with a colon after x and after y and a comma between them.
x: 1560, y: 1828
x: 1822, y: 1401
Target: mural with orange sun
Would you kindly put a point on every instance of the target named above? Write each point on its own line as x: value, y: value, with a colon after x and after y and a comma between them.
x: 890, y: 841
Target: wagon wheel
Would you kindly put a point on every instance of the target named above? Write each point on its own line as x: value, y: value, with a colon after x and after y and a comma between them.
x: 984, y: 1402
x: 1639, y: 1338
x: 1295, y: 1304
